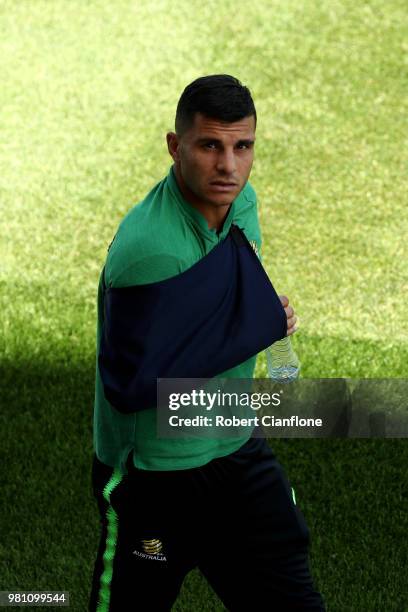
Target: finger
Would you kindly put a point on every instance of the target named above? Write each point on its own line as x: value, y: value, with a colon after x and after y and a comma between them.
x: 292, y: 330
x: 289, y: 312
x: 284, y: 300
x: 292, y: 321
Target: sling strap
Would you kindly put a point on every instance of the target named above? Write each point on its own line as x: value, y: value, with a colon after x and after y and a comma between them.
x: 213, y: 316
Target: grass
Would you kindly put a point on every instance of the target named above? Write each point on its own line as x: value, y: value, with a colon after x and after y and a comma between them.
x: 88, y: 92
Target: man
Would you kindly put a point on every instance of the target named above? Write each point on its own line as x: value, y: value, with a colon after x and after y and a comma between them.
x: 167, y: 506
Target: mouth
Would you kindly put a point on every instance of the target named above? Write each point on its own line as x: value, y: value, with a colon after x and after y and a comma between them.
x: 223, y: 186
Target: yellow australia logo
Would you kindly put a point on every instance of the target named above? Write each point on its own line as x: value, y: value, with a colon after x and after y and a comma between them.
x: 254, y: 246
x: 152, y: 547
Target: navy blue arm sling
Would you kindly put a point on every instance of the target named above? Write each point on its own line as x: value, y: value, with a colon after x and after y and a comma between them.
x: 198, y: 324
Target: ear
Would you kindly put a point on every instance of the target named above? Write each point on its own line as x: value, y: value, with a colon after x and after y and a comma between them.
x: 173, y: 145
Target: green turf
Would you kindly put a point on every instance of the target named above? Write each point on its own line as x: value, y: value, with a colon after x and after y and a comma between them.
x: 88, y: 91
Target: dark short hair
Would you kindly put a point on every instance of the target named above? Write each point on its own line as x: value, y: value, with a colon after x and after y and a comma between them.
x: 219, y: 96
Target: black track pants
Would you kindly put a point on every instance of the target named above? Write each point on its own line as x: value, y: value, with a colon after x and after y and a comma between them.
x: 233, y: 518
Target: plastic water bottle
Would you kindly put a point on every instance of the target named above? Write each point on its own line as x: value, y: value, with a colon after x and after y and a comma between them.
x: 282, y: 361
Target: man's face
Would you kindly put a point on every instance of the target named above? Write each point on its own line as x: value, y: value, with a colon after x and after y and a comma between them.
x: 214, y: 159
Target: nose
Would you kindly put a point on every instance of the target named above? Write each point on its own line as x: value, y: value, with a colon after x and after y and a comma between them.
x: 226, y: 162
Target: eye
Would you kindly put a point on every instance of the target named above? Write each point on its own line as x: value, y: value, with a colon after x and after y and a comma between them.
x: 209, y: 145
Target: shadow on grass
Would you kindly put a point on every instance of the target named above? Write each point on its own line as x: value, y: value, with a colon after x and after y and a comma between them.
x: 352, y: 493
x: 49, y: 519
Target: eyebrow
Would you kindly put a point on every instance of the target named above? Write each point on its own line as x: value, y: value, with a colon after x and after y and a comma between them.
x: 245, y: 141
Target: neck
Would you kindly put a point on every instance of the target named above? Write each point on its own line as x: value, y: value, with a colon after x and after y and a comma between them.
x: 214, y: 215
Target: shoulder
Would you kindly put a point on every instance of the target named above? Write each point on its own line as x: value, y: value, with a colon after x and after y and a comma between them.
x: 246, y: 202
x: 246, y: 213
x: 249, y: 193
x: 141, y: 251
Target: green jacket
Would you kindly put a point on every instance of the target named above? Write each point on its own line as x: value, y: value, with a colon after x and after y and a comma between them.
x: 160, y: 238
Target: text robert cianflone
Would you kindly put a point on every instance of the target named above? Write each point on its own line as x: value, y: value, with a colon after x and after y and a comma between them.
x: 220, y: 399
x: 267, y: 420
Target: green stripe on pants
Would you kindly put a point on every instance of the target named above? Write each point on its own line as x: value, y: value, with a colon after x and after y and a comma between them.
x: 111, y: 539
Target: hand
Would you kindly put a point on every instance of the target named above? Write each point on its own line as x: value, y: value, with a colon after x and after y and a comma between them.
x: 290, y: 315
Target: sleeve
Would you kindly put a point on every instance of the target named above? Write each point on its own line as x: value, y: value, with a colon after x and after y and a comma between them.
x: 135, y: 262
x: 150, y: 269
